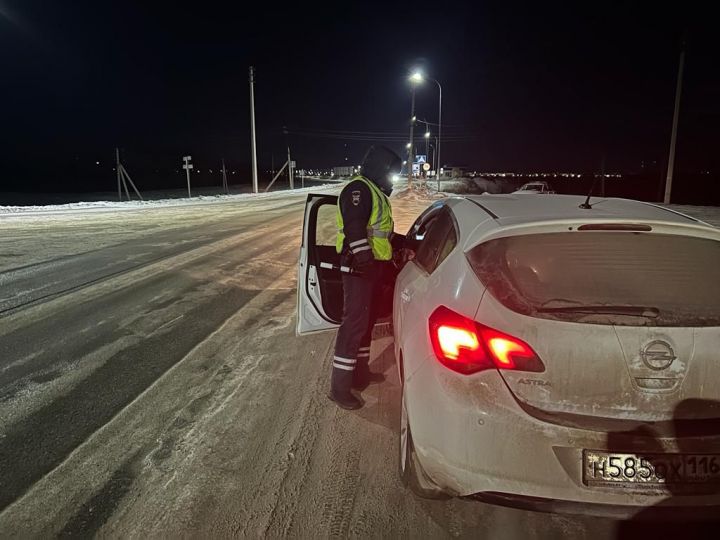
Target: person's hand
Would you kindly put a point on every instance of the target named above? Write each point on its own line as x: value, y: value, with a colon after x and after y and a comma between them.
x: 407, y: 254
x: 401, y: 257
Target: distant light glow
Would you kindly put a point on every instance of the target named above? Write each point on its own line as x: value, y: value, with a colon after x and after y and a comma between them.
x: 416, y: 77
x: 427, y: 134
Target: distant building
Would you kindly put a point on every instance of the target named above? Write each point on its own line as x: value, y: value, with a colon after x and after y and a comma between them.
x: 343, y: 171
x: 454, y: 171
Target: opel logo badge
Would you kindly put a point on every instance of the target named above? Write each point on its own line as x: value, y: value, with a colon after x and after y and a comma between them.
x: 657, y: 355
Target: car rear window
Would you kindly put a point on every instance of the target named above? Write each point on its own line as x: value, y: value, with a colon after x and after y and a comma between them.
x: 635, y: 279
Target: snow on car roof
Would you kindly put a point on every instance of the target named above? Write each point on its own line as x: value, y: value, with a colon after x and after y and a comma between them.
x: 519, y: 209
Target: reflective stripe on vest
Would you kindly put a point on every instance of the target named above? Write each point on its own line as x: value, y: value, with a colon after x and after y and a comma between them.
x: 379, y: 227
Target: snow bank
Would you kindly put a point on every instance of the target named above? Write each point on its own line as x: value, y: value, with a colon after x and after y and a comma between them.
x: 419, y: 195
x: 451, y: 186
x: 100, y: 206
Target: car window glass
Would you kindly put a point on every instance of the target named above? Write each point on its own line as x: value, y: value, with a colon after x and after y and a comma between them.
x: 419, y: 228
x: 670, y: 280
x: 448, y: 245
x: 326, y: 230
x: 433, y: 241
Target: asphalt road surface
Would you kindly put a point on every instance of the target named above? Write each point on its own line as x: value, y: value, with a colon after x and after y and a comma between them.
x: 151, y: 385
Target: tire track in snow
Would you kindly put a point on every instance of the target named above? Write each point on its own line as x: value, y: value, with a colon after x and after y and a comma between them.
x: 68, y: 274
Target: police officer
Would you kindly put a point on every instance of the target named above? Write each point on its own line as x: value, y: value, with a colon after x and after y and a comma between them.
x: 365, y: 227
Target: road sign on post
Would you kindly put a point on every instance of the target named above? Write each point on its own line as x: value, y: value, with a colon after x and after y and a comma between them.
x: 187, y: 166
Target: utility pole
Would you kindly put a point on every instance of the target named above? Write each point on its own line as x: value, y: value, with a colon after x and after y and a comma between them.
x: 432, y: 161
x: 673, y: 136
x: 224, y: 177
x: 188, y: 166
x: 291, y: 170
x: 427, y: 148
x: 123, y: 178
x: 439, y: 164
x: 410, y: 143
x: 119, y: 174
x: 252, y: 128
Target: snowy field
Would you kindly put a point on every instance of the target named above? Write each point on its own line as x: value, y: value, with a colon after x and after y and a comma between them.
x: 103, y: 206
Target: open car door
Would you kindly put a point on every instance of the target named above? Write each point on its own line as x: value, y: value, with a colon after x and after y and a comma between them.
x: 319, y: 290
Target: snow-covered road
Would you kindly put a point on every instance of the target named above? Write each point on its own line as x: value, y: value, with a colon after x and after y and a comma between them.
x: 151, y: 385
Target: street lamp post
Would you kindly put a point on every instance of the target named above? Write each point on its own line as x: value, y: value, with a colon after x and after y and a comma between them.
x: 439, y: 164
x: 418, y: 77
x: 410, y: 144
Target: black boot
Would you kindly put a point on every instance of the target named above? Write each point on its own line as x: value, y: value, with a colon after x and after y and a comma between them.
x: 340, y: 384
x: 365, y: 381
x: 363, y: 377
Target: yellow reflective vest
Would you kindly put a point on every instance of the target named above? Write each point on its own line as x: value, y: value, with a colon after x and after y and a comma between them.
x: 379, y: 227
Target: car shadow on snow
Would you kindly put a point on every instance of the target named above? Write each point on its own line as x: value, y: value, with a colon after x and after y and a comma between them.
x: 382, y: 400
x: 666, y: 519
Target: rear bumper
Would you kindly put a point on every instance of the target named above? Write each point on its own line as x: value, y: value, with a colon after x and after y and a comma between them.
x: 665, y: 511
x: 472, y: 438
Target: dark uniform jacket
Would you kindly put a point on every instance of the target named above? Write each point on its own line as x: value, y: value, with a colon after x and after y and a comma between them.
x: 356, y: 207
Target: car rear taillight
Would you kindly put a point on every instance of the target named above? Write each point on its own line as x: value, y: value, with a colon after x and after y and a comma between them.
x: 467, y: 346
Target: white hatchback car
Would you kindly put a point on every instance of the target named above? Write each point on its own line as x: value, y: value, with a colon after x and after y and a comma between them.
x: 550, y: 352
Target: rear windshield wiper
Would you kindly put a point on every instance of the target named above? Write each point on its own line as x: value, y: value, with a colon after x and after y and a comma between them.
x: 637, y: 311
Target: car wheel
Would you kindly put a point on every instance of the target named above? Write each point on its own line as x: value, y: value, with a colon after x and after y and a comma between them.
x: 412, y: 474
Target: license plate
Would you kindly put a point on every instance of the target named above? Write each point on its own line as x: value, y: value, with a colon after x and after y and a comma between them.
x: 650, y: 470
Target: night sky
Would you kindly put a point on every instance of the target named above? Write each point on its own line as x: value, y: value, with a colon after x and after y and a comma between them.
x: 525, y: 86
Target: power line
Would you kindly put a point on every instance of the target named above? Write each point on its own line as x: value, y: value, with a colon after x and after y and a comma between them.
x: 361, y: 132
x: 369, y: 136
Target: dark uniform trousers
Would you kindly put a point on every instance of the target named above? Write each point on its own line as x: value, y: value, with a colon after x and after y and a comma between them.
x: 360, y: 311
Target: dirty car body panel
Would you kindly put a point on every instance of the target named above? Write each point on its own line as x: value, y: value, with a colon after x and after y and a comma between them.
x: 608, y: 320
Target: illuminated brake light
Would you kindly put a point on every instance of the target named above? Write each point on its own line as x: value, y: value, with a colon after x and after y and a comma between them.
x: 503, y: 349
x: 466, y: 346
x: 453, y: 339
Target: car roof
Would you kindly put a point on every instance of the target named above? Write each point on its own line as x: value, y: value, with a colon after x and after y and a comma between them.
x: 522, y: 209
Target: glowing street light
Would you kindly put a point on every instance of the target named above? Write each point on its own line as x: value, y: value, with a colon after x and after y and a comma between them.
x: 427, y: 134
x: 416, y: 77
x: 408, y: 146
